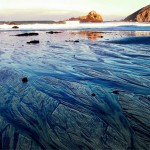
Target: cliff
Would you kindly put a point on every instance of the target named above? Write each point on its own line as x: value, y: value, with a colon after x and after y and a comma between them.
x: 91, y: 17
x: 142, y: 15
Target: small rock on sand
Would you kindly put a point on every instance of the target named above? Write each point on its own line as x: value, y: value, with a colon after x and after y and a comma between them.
x: 33, y: 42
x: 24, y: 80
x: 15, y: 27
x: 27, y: 34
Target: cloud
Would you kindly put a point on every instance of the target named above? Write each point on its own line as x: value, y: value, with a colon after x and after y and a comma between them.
x: 36, y: 14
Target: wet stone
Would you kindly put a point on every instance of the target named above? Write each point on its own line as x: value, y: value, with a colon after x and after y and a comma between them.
x: 24, y: 80
x: 93, y: 94
x: 15, y: 27
x: 53, y: 32
x: 33, y: 42
x: 74, y: 41
x: 115, y: 92
x: 27, y: 34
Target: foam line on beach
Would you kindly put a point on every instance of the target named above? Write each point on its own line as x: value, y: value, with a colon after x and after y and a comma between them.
x: 108, y: 26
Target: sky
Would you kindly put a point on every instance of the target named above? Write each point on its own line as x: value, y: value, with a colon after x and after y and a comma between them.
x: 13, y: 10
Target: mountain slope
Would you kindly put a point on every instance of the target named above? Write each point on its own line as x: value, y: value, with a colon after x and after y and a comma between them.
x: 142, y: 15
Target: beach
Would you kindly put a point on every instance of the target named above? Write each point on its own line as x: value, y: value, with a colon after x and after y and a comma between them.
x: 88, y: 87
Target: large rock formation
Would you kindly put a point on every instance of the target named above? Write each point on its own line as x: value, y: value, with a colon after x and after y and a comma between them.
x: 142, y: 15
x: 91, y: 17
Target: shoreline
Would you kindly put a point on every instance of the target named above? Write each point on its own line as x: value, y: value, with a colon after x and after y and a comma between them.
x: 104, y: 26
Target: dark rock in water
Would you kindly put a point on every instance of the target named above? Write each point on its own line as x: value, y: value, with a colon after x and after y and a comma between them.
x: 33, y: 42
x: 53, y: 32
x: 25, y: 79
x: 76, y: 41
x: 93, y: 94
x: 115, y: 92
x: 27, y: 34
x: 15, y: 27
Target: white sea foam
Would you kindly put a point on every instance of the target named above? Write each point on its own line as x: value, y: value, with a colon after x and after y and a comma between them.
x: 113, y: 26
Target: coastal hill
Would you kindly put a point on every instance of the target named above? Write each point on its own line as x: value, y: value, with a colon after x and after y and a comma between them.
x: 142, y: 15
x: 91, y: 17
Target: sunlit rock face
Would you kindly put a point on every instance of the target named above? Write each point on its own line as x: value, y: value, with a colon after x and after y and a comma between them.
x: 91, y: 17
x: 142, y: 15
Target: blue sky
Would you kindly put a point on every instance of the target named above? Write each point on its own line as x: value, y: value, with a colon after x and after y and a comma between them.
x: 63, y: 9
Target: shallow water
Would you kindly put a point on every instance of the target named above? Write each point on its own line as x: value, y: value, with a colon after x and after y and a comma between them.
x: 103, y: 26
x: 68, y: 102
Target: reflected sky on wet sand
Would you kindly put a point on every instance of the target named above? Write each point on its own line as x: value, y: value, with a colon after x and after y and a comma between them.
x: 93, y: 94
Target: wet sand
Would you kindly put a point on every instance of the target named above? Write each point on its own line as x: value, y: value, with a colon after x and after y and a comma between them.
x: 88, y: 95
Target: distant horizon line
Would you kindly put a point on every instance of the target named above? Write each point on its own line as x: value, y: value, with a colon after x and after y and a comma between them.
x: 17, y: 21
x: 47, y: 20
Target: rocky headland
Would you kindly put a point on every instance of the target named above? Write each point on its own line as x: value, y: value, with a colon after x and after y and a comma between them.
x: 142, y: 15
x: 92, y: 16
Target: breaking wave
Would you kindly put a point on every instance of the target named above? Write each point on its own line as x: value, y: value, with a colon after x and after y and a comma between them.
x: 108, y: 26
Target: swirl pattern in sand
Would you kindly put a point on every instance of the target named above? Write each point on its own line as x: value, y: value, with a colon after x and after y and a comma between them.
x: 87, y: 95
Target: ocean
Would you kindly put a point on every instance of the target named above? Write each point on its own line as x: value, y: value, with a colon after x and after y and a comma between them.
x: 87, y: 88
x: 105, y: 26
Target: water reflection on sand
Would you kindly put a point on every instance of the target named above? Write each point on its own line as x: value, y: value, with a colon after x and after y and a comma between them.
x: 86, y: 95
x: 99, y: 35
x: 91, y: 35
